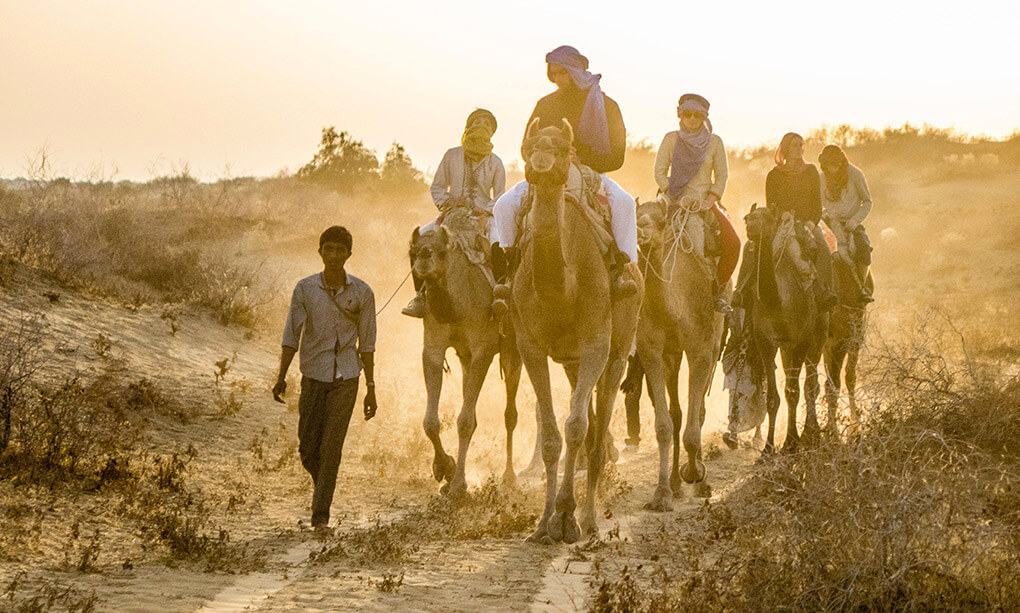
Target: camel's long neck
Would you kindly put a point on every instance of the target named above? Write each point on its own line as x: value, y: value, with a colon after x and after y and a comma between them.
x: 548, y: 254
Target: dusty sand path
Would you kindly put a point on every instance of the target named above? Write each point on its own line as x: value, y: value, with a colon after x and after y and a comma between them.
x: 380, y: 484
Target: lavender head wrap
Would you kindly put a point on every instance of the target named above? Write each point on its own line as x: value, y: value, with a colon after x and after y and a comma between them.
x: 691, y: 147
x: 594, y: 128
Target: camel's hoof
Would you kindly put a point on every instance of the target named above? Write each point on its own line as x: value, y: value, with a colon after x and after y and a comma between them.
x: 540, y: 537
x: 589, y: 528
x: 812, y: 436
x: 703, y: 490
x: 730, y: 439
x: 767, y: 452
x: 676, y: 483
x: 443, y: 467
x: 791, y: 446
x: 555, y: 526
x: 534, y: 471
x: 444, y: 489
x: 693, y: 474
x: 456, y: 490
x: 831, y: 432
x: 612, y: 453
x: 571, y: 530
x: 659, y: 504
x: 510, y: 479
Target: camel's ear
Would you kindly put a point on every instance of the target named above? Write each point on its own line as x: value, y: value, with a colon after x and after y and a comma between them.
x: 753, y: 206
x: 444, y: 235
x: 532, y: 128
x: 568, y: 130
x: 416, y: 234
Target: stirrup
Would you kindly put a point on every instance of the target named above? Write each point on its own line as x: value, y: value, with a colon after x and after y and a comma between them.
x: 499, y: 308
x: 501, y: 291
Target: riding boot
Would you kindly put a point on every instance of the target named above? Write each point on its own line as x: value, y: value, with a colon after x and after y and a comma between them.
x: 623, y: 283
x: 416, y: 308
x: 865, y: 282
x: 501, y: 263
x: 823, y: 268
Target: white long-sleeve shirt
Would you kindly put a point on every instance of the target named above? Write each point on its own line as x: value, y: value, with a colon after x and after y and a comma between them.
x: 711, y: 177
x: 854, y: 202
x: 449, y: 182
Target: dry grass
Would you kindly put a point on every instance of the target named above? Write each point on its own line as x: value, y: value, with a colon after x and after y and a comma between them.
x: 917, y: 512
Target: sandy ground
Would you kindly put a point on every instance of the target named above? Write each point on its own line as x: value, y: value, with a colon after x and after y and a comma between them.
x: 384, y: 477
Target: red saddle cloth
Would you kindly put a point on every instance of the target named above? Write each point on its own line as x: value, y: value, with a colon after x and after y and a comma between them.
x: 729, y: 243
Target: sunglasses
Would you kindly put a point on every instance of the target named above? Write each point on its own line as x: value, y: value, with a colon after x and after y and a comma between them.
x: 689, y: 114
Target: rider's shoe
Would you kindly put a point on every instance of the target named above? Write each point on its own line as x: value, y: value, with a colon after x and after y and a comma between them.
x: 415, y: 308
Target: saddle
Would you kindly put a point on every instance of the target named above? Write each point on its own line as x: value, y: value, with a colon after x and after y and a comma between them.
x: 465, y: 235
x: 794, y: 242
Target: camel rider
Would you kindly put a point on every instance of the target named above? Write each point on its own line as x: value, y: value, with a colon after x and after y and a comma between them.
x: 846, y: 201
x: 691, y: 163
x: 600, y: 142
x: 793, y: 185
x: 470, y: 175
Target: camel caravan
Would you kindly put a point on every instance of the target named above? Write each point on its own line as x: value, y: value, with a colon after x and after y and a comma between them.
x: 567, y: 266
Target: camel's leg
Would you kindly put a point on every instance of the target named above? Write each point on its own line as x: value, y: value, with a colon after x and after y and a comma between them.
x: 700, y: 367
x: 833, y: 366
x: 812, y: 430
x: 676, y: 415
x: 476, y: 367
x: 592, y: 361
x: 512, y: 379
x: 536, y: 465
x: 443, y: 464
x: 792, y: 367
x: 605, y: 399
x: 851, y: 383
x: 537, y: 365
x: 772, y: 404
x: 654, y: 372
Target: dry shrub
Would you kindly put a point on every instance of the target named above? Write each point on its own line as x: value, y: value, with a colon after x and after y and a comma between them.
x: 172, y: 513
x: 66, y: 432
x: 45, y: 597
x: 919, y: 511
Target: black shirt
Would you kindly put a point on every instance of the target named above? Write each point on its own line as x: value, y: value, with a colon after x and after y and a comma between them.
x: 797, y: 191
x: 568, y: 104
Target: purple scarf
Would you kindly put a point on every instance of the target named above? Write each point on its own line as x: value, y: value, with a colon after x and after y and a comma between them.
x: 688, y: 154
x: 594, y: 125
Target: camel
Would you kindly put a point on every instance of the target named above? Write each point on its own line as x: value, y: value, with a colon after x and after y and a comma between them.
x: 787, y: 319
x: 458, y: 300
x: 678, y: 318
x: 847, y: 326
x: 562, y: 308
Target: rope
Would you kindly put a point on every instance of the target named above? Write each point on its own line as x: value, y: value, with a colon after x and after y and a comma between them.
x: 393, y: 295
x: 681, y: 240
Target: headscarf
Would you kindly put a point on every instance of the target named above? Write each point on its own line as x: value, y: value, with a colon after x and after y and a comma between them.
x: 477, y: 142
x: 594, y: 126
x: 835, y: 182
x: 691, y: 147
x: 784, y: 144
x: 475, y: 114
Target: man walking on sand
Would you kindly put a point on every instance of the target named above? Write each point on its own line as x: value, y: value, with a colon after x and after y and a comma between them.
x: 332, y: 320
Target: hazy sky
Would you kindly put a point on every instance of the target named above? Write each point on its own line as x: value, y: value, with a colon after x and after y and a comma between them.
x: 140, y: 85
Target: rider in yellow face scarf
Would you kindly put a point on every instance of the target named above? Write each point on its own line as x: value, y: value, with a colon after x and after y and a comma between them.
x: 477, y: 138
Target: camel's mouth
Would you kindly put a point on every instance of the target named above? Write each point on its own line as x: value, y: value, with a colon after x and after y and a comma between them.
x: 542, y: 161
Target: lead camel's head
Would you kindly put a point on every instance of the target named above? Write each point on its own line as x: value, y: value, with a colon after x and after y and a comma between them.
x: 547, y: 153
